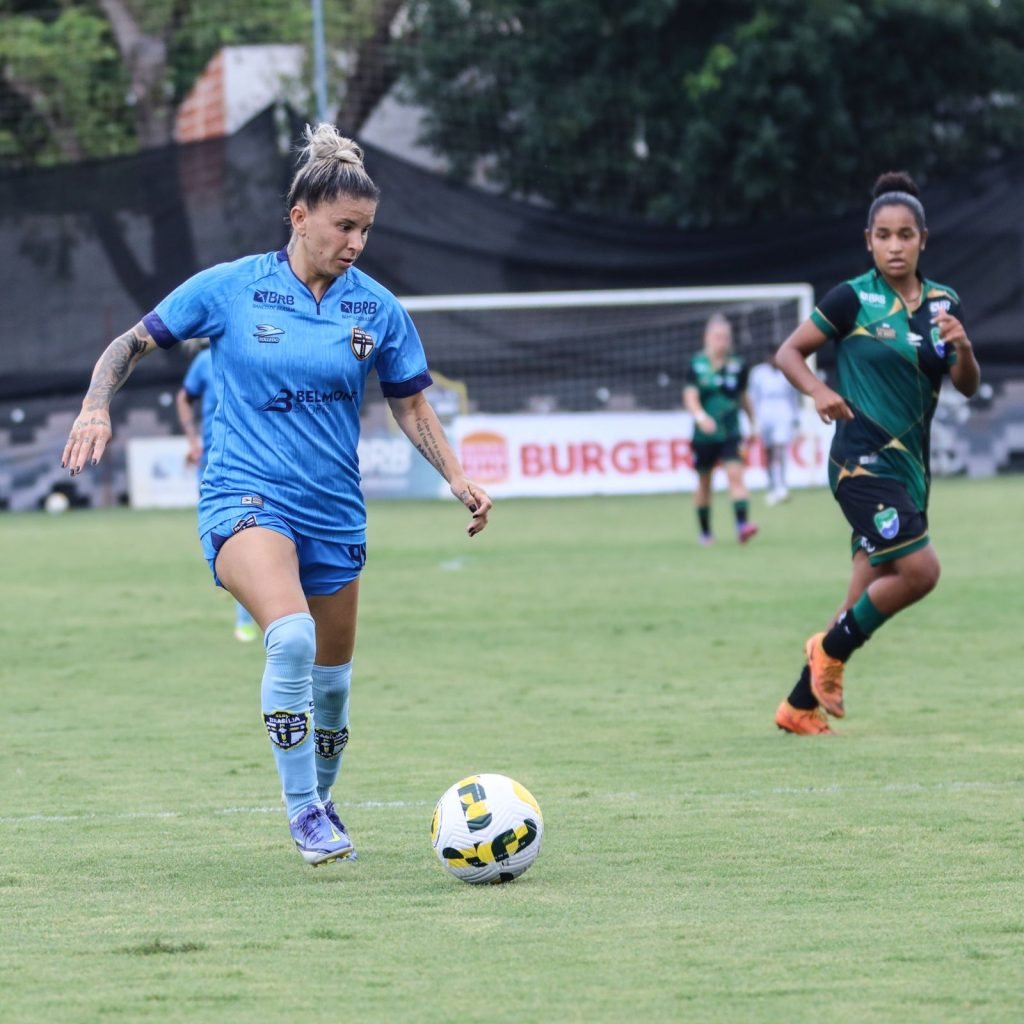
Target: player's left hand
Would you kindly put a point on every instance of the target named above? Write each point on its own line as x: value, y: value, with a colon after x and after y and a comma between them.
x: 476, y: 499
x: 951, y: 331
x: 89, y: 437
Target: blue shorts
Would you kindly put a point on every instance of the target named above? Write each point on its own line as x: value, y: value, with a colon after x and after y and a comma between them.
x: 324, y: 566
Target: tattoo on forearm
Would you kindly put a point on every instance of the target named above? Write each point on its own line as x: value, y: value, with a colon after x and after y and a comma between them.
x: 429, y: 448
x: 114, y: 367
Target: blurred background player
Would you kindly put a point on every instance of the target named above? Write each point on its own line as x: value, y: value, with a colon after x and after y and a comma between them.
x: 897, y: 334
x: 197, y: 389
x: 282, y: 517
x: 715, y: 391
x: 777, y: 408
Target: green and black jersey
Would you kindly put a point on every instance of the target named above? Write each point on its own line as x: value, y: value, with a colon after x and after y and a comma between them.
x: 720, y: 389
x: 889, y: 363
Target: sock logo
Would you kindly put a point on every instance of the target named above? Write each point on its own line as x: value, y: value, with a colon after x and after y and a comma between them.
x: 330, y: 742
x: 287, y: 729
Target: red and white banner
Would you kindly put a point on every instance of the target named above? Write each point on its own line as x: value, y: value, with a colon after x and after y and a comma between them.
x: 612, y: 453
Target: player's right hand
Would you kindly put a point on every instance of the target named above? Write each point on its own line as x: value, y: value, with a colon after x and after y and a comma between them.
x: 830, y: 405
x: 87, y: 441
x: 707, y: 424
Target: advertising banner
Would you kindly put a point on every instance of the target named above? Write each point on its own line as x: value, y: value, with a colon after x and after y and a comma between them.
x: 159, y: 475
x: 392, y: 468
x: 517, y: 456
x: 612, y: 453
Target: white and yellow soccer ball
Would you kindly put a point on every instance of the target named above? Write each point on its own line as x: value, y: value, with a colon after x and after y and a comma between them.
x: 487, y: 828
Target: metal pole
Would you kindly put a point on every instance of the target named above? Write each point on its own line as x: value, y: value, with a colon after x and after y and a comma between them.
x: 319, y: 61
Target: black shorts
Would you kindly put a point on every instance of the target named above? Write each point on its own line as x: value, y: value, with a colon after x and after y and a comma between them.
x: 886, y: 523
x: 707, y: 454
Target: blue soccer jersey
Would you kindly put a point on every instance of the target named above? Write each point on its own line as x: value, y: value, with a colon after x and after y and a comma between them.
x: 198, y: 385
x: 288, y: 377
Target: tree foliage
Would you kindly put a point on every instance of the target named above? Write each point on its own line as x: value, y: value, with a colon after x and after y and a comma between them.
x: 714, y: 111
x: 95, y: 78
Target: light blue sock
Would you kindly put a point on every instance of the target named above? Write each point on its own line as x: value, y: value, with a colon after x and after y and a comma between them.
x: 331, y: 686
x: 242, y: 617
x: 287, y: 699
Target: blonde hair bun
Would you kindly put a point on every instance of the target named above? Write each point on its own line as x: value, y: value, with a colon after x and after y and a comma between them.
x: 325, y: 142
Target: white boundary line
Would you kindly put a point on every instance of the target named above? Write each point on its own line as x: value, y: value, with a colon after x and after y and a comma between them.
x: 951, y: 786
x: 153, y: 815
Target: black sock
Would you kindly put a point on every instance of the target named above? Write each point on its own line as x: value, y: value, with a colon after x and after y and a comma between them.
x: 739, y: 509
x: 801, y: 696
x: 704, y: 517
x: 844, y: 637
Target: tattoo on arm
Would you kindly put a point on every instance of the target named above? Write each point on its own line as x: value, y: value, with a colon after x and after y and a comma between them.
x: 114, y: 368
x: 428, y: 446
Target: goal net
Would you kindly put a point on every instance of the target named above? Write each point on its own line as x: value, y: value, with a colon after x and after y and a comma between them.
x: 590, y: 351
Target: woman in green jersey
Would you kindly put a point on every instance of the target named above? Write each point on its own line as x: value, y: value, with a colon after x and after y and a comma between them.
x: 716, y: 390
x: 897, y: 334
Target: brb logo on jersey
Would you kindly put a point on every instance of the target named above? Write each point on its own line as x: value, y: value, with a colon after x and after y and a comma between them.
x: 261, y: 298
x: 359, y: 308
x: 362, y: 343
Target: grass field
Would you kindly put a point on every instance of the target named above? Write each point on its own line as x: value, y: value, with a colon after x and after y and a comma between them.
x: 698, y: 865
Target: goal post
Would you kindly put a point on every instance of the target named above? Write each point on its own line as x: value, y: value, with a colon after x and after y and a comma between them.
x: 588, y: 351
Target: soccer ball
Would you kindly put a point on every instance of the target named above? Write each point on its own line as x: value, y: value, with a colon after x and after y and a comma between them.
x: 56, y: 503
x: 487, y: 828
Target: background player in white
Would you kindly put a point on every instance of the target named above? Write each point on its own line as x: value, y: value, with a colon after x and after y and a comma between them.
x: 777, y: 409
x: 293, y: 336
x: 197, y: 389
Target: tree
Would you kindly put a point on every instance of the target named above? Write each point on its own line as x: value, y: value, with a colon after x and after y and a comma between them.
x: 714, y: 111
x: 97, y: 78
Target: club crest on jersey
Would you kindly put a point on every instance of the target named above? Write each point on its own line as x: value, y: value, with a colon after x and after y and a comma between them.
x: 362, y: 343
x: 887, y: 522
x: 287, y: 729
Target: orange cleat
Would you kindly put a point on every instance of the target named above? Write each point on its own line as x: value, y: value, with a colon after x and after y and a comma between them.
x: 801, y: 722
x: 826, y: 676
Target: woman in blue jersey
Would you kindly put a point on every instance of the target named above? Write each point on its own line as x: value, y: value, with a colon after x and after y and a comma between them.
x: 293, y: 335
x: 897, y: 335
x: 197, y: 388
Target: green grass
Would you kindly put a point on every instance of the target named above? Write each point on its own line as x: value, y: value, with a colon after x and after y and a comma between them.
x: 697, y: 865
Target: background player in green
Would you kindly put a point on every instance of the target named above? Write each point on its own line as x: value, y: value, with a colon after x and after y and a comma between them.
x: 716, y: 390
x: 897, y: 334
